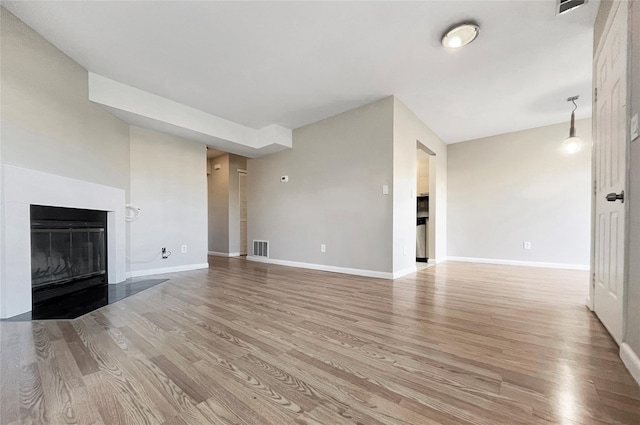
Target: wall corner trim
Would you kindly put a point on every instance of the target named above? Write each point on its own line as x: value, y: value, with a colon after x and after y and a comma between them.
x: 223, y: 254
x: 521, y: 263
x: 323, y: 267
x: 630, y: 360
x: 402, y: 273
x: 163, y: 270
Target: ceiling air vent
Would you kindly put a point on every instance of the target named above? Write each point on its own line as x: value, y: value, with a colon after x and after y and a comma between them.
x: 567, y: 5
x: 261, y: 249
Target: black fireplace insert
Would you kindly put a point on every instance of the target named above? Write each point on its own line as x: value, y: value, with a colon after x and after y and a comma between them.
x: 68, y: 250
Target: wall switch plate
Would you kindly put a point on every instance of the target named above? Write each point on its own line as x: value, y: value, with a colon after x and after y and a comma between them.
x: 526, y: 245
x: 385, y: 189
x: 634, y: 127
x: 323, y: 248
x: 284, y: 179
x: 183, y: 249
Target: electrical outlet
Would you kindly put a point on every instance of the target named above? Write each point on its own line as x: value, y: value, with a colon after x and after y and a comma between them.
x: 526, y: 245
x: 323, y: 248
x: 183, y: 249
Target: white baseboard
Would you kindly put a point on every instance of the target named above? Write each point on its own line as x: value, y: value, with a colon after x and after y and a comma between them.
x: 404, y: 272
x: 164, y: 270
x: 323, y: 267
x: 224, y: 254
x: 630, y: 360
x: 521, y: 263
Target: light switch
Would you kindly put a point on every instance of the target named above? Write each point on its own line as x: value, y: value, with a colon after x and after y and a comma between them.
x: 634, y: 127
x: 385, y: 189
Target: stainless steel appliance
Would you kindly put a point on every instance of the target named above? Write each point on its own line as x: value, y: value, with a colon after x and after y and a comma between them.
x: 422, y: 238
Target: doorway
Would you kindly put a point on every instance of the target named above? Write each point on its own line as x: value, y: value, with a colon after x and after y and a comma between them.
x: 227, y: 204
x: 425, y: 211
x: 242, y: 192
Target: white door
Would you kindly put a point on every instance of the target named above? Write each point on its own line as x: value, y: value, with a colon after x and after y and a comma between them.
x: 610, y: 157
x: 242, y: 189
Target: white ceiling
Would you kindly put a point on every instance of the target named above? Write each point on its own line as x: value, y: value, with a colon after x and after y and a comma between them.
x: 293, y: 63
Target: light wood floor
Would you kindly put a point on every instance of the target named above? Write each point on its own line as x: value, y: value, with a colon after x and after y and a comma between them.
x: 249, y: 343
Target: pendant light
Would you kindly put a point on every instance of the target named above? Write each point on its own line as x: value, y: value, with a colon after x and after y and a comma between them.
x: 572, y: 144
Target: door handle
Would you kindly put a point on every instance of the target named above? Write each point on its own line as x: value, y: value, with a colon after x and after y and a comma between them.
x: 613, y: 197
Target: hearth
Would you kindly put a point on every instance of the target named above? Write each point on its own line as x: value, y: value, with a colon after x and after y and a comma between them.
x: 68, y: 251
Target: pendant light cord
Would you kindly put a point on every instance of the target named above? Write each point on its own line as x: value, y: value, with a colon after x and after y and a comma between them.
x: 572, y: 128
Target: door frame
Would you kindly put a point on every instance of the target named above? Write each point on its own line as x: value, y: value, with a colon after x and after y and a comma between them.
x: 590, y: 302
x: 244, y: 173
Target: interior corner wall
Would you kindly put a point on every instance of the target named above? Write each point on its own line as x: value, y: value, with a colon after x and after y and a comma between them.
x: 218, y: 205
x: 169, y: 185
x: 337, y: 168
x: 521, y: 186
x: 632, y: 320
x: 407, y: 130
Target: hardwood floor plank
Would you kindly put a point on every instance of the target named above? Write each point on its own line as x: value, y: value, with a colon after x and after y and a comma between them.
x: 32, y: 405
x: 9, y: 368
x: 246, y: 343
x: 80, y: 404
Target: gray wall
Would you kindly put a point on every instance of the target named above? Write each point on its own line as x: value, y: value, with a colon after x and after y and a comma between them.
x: 169, y: 184
x: 48, y: 123
x: 218, y: 187
x: 336, y: 170
x: 516, y: 187
x: 633, y: 293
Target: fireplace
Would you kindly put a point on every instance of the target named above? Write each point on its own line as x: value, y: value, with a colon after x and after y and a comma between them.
x: 68, y: 251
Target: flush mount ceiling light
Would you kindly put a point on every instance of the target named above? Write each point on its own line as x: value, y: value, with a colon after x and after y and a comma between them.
x: 573, y: 143
x: 460, y: 35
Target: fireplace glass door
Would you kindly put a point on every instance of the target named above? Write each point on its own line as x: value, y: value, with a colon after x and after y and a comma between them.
x: 66, y: 251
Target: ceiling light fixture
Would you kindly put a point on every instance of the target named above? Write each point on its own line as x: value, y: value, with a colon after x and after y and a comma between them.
x: 573, y: 143
x: 460, y: 35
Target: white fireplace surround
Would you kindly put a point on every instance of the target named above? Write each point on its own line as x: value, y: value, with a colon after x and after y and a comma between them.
x: 22, y: 188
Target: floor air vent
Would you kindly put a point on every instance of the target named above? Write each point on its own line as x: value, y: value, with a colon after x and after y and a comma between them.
x: 567, y: 5
x: 261, y: 249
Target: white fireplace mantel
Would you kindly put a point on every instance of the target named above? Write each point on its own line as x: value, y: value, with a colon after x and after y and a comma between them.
x: 22, y: 188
